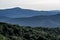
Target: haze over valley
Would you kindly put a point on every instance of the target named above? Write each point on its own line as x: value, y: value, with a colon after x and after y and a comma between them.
x: 28, y: 17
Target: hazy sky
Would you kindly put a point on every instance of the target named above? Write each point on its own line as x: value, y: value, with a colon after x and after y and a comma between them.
x: 31, y: 4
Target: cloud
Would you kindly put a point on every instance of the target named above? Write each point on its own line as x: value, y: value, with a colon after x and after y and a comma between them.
x: 31, y: 4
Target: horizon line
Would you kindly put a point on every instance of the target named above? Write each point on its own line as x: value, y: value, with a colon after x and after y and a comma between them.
x: 30, y: 9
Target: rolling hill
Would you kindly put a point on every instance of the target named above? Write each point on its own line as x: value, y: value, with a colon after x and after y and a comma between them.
x: 16, y: 32
x: 19, y: 12
x: 4, y: 18
x: 44, y: 21
x: 28, y: 17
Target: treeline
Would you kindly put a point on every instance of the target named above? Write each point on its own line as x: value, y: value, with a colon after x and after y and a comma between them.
x: 16, y: 32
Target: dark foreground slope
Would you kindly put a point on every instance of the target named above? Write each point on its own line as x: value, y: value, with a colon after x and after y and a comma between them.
x: 16, y: 32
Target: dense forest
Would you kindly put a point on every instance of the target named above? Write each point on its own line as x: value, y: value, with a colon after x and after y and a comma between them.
x: 16, y: 32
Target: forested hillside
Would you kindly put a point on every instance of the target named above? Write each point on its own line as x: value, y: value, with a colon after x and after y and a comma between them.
x: 16, y: 32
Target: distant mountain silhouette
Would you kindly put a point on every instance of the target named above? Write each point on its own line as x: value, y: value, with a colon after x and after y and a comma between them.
x: 4, y: 18
x: 19, y: 12
x: 28, y: 17
x: 44, y: 21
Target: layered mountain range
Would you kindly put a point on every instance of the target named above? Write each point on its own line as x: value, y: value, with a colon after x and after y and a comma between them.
x: 28, y: 17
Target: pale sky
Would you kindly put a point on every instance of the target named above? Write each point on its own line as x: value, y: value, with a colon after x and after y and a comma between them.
x: 31, y: 4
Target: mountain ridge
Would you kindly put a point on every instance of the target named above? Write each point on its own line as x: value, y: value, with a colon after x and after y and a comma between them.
x: 19, y: 12
x: 31, y: 18
x: 45, y: 21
